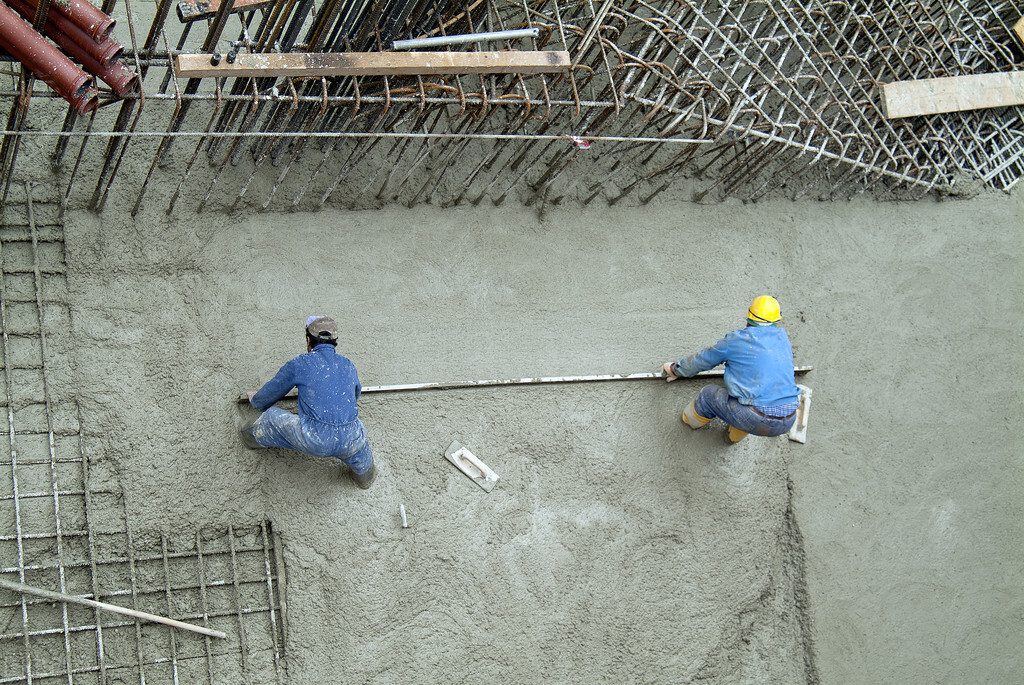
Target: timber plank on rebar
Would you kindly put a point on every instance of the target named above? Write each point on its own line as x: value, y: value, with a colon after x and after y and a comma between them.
x: 1018, y: 30
x: 374, y: 63
x: 193, y: 10
x: 952, y: 94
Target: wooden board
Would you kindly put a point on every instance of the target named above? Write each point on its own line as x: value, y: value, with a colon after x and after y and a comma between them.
x: 952, y: 94
x: 192, y: 10
x: 1018, y: 30
x: 374, y: 63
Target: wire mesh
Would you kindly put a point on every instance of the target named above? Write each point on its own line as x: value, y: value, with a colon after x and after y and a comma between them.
x: 63, y: 526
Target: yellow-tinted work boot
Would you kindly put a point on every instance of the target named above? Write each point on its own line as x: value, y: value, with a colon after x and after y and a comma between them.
x: 692, y: 419
x: 735, y: 435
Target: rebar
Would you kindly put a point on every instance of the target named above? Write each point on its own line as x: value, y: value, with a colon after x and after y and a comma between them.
x: 44, y: 547
x: 795, y: 82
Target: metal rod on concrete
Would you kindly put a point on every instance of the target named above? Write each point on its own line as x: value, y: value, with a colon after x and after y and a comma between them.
x: 60, y: 597
x: 414, y: 43
x: 542, y: 380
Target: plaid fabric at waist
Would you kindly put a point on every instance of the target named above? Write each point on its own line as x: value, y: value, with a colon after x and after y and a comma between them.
x: 779, y: 411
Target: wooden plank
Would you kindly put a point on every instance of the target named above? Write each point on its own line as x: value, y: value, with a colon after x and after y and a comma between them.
x: 1018, y: 30
x: 192, y: 10
x: 952, y: 94
x: 374, y: 63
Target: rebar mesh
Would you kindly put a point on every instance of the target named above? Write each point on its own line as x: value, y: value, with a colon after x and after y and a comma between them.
x: 63, y: 526
x: 742, y: 99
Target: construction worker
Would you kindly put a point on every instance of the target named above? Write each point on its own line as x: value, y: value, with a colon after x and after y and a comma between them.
x: 760, y: 394
x: 327, y: 424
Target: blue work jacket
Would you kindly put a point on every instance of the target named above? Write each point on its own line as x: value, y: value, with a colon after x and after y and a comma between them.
x: 758, y: 365
x: 327, y: 382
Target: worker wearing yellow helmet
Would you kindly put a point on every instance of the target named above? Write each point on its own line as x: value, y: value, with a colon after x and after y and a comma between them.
x: 760, y: 394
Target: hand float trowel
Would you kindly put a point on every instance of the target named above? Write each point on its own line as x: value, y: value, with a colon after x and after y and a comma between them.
x: 469, y: 464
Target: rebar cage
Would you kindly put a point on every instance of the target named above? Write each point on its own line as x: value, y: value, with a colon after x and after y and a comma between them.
x: 716, y: 99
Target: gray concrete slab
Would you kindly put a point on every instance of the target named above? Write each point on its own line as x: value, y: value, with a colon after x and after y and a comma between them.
x: 619, y: 545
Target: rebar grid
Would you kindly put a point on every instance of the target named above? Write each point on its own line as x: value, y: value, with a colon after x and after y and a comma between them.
x: 62, y: 529
x: 226, y: 580
x: 743, y: 99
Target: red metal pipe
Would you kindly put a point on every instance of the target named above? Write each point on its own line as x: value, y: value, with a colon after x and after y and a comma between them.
x: 86, y: 16
x: 103, y: 52
x: 120, y: 78
x: 70, y: 38
x: 115, y: 74
x: 48, y: 63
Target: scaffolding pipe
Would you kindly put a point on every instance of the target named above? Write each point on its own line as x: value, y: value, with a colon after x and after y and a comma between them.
x: 103, y: 52
x: 122, y: 80
x: 84, y: 14
x: 48, y: 63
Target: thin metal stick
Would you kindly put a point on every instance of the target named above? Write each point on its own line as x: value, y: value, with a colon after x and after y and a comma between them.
x: 206, y: 608
x: 43, y: 356
x: 72, y: 599
x: 167, y: 595
x: 270, y: 599
x: 542, y: 380
x: 242, y: 642
x: 9, y: 397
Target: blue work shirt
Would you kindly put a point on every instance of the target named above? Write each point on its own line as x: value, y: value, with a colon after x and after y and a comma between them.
x: 327, y: 382
x: 758, y: 365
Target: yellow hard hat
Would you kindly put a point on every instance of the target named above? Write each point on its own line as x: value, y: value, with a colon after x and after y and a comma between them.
x: 764, y: 311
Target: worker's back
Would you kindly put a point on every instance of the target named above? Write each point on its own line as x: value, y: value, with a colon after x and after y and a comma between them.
x: 328, y: 386
x: 759, y: 366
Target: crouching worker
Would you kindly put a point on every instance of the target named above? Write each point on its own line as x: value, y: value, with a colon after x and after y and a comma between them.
x: 760, y: 394
x: 327, y: 424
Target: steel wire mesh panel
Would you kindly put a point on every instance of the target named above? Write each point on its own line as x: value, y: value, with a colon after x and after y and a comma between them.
x: 63, y: 529
x: 222, y: 580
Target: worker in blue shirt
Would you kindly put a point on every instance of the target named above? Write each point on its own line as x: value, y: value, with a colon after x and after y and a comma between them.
x: 327, y: 424
x: 760, y: 394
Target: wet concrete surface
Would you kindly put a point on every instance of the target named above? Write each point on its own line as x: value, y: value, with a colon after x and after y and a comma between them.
x: 618, y: 546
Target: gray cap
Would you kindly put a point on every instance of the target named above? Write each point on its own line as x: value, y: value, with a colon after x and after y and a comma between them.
x: 322, y: 328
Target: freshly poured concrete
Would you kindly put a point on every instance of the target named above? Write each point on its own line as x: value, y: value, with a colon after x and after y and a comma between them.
x: 618, y: 546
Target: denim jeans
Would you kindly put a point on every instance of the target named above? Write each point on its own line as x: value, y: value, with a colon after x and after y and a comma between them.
x: 279, y: 428
x: 714, y: 400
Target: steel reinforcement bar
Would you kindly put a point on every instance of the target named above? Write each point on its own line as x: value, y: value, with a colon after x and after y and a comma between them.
x: 747, y: 98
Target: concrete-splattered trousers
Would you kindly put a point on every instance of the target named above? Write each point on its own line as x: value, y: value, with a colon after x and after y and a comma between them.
x: 714, y: 400
x: 279, y: 428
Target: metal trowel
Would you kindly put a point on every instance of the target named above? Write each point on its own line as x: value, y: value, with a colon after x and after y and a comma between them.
x: 798, y: 433
x: 470, y: 464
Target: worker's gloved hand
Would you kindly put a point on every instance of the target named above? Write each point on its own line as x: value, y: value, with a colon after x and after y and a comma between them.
x: 670, y: 375
x: 250, y: 394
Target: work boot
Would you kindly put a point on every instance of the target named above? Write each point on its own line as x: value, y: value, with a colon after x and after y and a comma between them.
x: 692, y: 419
x: 364, y: 480
x: 734, y: 435
x: 247, y: 433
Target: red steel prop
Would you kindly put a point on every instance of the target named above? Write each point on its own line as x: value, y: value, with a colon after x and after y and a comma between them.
x: 48, y: 63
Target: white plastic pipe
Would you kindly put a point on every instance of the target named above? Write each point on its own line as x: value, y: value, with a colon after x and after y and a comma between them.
x: 414, y: 43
